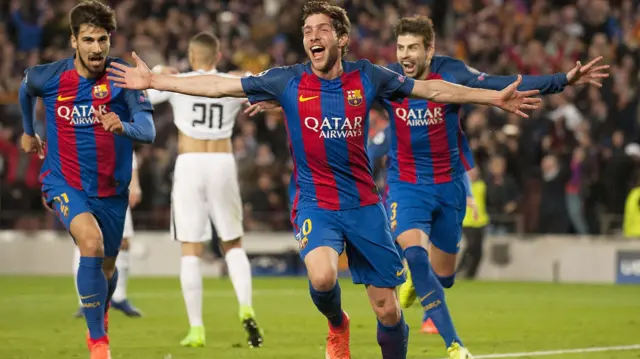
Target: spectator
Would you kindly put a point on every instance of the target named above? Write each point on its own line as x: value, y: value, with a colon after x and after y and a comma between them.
x: 575, y: 192
x: 553, y: 208
x: 497, y: 37
x: 502, y: 195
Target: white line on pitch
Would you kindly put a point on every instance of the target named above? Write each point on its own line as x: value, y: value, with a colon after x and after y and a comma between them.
x: 558, y: 352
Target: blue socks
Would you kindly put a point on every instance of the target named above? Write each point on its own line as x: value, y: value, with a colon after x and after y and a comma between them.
x: 447, y: 282
x: 394, y: 340
x: 328, y: 303
x: 430, y: 293
x: 112, y: 283
x: 93, y: 288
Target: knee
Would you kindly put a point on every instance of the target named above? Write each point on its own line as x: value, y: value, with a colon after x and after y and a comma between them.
x: 90, y: 243
x: 387, y: 309
x: 323, y: 281
x: 192, y: 249
x: 229, y: 245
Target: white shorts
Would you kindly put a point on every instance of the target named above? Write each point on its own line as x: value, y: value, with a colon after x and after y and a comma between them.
x: 205, y: 190
x: 128, y: 225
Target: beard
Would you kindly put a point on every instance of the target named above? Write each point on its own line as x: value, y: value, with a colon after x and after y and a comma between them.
x: 332, y: 57
x: 421, y: 69
x: 90, y: 68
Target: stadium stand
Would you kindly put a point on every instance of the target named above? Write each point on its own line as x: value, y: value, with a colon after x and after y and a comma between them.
x: 567, y: 169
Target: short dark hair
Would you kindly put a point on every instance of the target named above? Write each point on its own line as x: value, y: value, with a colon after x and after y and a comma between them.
x: 416, y: 25
x: 207, y: 39
x: 339, y: 19
x: 94, y: 13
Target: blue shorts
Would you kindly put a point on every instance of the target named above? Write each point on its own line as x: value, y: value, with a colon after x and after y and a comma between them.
x: 373, y: 259
x: 110, y: 212
x: 437, y: 210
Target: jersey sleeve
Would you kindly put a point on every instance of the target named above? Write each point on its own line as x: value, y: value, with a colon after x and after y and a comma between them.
x: 137, y: 101
x: 389, y: 84
x: 267, y: 85
x: 33, y: 82
x: 468, y: 76
x: 30, y: 89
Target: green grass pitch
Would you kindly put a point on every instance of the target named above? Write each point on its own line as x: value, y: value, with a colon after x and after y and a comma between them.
x: 491, y: 318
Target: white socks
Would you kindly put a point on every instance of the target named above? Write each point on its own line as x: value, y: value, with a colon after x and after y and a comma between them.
x: 240, y: 274
x: 122, y: 263
x: 191, y: 282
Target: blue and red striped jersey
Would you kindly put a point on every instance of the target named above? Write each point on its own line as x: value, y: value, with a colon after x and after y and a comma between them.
x: 79, y: 152
x: 327, y: 126
x: 427, y: 145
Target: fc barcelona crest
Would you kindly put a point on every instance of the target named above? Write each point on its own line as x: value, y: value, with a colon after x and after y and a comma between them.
x: 354, y: 97
x: 100, y: 91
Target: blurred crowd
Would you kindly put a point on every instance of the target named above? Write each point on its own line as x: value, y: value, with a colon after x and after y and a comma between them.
x: 567, y: 169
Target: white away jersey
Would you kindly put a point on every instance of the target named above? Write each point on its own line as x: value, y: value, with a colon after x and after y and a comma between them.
x: 202, y: 118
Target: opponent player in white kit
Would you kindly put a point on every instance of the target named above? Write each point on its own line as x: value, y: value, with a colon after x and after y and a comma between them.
x: 119, y: 301
x: 205, y: 188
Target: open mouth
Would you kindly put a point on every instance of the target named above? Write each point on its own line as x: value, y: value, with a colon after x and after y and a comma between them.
x: 408, y: 66
x: 317, y: 51
x: 96, y: 60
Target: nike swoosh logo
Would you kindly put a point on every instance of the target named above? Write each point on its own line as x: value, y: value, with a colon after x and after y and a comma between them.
x: 88, y: 296
x: 60, y: 98
x: 400, y: 272
x: 427, y: 295
x: 305, y: 99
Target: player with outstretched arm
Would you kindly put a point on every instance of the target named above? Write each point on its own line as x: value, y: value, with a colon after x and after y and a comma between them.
x: 326, y: 102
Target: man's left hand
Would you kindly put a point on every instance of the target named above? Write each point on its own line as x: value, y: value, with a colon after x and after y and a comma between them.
x: 588, y: 74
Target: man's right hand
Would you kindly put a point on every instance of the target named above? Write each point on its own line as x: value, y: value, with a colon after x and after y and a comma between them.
x: 133, y: 78
x: 32, y: 144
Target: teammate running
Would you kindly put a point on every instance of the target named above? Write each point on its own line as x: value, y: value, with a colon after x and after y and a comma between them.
x: 428, y: 159
x: 87, y: 166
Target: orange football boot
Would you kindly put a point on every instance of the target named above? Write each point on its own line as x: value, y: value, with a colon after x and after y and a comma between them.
x: 106, y: 328
x: 99, y: 348
x: 428, y: 327
x: 338, y: 341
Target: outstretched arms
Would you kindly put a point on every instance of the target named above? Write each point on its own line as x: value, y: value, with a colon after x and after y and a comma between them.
x: 509, y: 99
x: 142, y: 78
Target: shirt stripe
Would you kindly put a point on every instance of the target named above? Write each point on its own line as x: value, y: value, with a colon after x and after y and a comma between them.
x: 105, y: 142
x: 355, y: 105
x: 326, y: 190
x: 67, y: 141
x: 439, y: 140
x: 404, y: 151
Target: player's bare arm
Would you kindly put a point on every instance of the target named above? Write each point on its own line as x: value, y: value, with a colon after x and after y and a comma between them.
x: 509, y: 99
x: 141, y: 77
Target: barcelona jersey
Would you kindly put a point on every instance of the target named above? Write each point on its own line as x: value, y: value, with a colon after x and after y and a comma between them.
x: 327, y: 125
x: 79, y: 152
x: 427, y: 145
